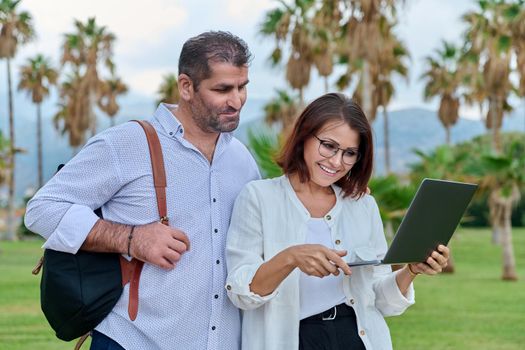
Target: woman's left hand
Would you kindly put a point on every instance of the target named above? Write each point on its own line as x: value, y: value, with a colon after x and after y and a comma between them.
x: 435, y: 263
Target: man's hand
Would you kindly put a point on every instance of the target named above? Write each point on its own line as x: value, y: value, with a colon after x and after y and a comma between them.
x: 159, y: 244
x: 153, y: 243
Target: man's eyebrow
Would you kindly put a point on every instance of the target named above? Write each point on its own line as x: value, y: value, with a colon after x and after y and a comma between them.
x: 229, y: 86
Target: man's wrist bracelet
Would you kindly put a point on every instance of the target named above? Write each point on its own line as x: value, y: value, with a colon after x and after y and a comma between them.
x: 130, y: 237
x: 412, y: 273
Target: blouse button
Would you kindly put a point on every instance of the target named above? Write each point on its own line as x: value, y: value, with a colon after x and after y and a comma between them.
x: 229, y: 287
x: 337, y: 241
x: 352, y: 301
x: 362, y: 332
x: 328, y: 217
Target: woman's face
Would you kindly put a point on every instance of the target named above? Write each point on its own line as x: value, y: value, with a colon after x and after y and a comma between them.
x: 324, y: 171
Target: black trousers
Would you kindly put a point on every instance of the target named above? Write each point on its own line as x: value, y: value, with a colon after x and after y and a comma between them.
x: 337, y: 334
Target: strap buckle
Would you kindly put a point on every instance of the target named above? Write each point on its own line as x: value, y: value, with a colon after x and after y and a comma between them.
x: 164, y: 220
x: 332, y: 316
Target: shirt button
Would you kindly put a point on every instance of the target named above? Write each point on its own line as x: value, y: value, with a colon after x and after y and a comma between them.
x: 171, y: 133
x: 328, y: 217
x: 352, y: 301
x: 337, y: 241
x: 362, y: 332
x: 213, y: 328
x: 180, y: 130
x: 214, y: 200
x: 215, y: 230
x: 229, y: 287
x: 217, y: 262
x: 216, y: 296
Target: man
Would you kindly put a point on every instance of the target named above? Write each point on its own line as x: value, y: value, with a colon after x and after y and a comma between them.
x: 182, y: 301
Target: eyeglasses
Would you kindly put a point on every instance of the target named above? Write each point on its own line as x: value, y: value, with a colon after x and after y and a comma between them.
x: 328, y: 149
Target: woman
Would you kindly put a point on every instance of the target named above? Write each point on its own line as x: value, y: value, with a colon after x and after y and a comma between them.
x: 291, y: 237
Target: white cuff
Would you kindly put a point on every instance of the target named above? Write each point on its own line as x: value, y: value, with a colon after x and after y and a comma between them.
x: 238, y: 288
x: 72, y: 230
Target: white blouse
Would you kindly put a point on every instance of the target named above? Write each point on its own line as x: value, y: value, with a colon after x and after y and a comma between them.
x: 319, y: 294
x: 267, y: 218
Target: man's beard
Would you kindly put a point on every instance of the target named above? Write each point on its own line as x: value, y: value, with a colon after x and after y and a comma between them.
x: 208, y: 119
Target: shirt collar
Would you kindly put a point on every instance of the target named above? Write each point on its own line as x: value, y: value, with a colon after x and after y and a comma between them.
x: 167, y: 120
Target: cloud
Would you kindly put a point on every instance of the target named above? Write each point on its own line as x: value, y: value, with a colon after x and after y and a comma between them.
x: 135, y: 23
x: 146, y: 81
x: 247, y: 11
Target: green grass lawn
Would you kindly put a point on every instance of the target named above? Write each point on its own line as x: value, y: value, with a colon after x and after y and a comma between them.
x: 470, y: 309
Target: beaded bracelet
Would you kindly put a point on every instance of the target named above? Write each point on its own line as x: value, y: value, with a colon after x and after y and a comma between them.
x: 130, y: 237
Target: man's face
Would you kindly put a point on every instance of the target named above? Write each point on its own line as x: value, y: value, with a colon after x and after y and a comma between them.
x: 217, y: 103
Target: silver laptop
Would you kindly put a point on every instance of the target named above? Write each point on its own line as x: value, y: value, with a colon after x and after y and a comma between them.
x: 431, y: 219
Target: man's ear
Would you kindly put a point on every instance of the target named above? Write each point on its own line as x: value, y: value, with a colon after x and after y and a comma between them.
x: 185, y: 87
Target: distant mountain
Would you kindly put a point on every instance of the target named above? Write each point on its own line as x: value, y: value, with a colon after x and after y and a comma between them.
x: 412, y: 128
x: 409, y: 128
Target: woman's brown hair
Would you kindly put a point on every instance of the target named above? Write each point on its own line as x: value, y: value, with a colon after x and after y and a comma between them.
x: 328, y: 108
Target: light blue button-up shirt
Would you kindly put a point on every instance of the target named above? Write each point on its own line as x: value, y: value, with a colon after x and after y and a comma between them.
x: 185, y: 308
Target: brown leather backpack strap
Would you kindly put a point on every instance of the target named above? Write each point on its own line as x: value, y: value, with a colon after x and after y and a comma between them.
x: 131, y: 270
x: 157, y: 164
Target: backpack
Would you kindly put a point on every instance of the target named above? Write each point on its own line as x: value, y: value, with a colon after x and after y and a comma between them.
x: 77, y: 291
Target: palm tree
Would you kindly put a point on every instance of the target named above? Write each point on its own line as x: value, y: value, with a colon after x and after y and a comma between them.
x: 110, y: 89
x: 4, y: 151
x: 73, y: 107
x: 282, y: 109
x: 291, y: 25
x: 503, y: 177
x: 489, y: 37
x: 361, y: 44
x: 36, y: 78
x: 326, y: 29
x: 374, y: 81
x: 280, y: 114
x: 518, y: 33
x: 443, y: 79
x: 82, y: 52
x: 392, y: 60
x: 16, y: 29
x: 169, y: 89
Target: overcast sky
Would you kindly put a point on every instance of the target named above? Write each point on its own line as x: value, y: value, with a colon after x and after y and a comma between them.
x: 150, y: 35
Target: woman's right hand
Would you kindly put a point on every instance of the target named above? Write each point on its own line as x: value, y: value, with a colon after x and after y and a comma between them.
x: 318, y: 260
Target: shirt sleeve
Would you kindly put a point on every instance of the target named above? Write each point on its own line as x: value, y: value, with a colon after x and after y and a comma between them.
x: 244, y: 251
x: 389, y: 299
x: 62, y: 210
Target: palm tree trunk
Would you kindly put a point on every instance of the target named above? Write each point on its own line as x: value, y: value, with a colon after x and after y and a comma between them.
x: 112, y: 121
x: 301, y: 98
x: 447, y: 132
x: 367, y: 90
x: 509, y: 263
x: 387, y: 140
x: 494, y: 215
x: 11, y: 232
x: 326, y: 85
x: 39, y: 145
x: 496, y: 144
